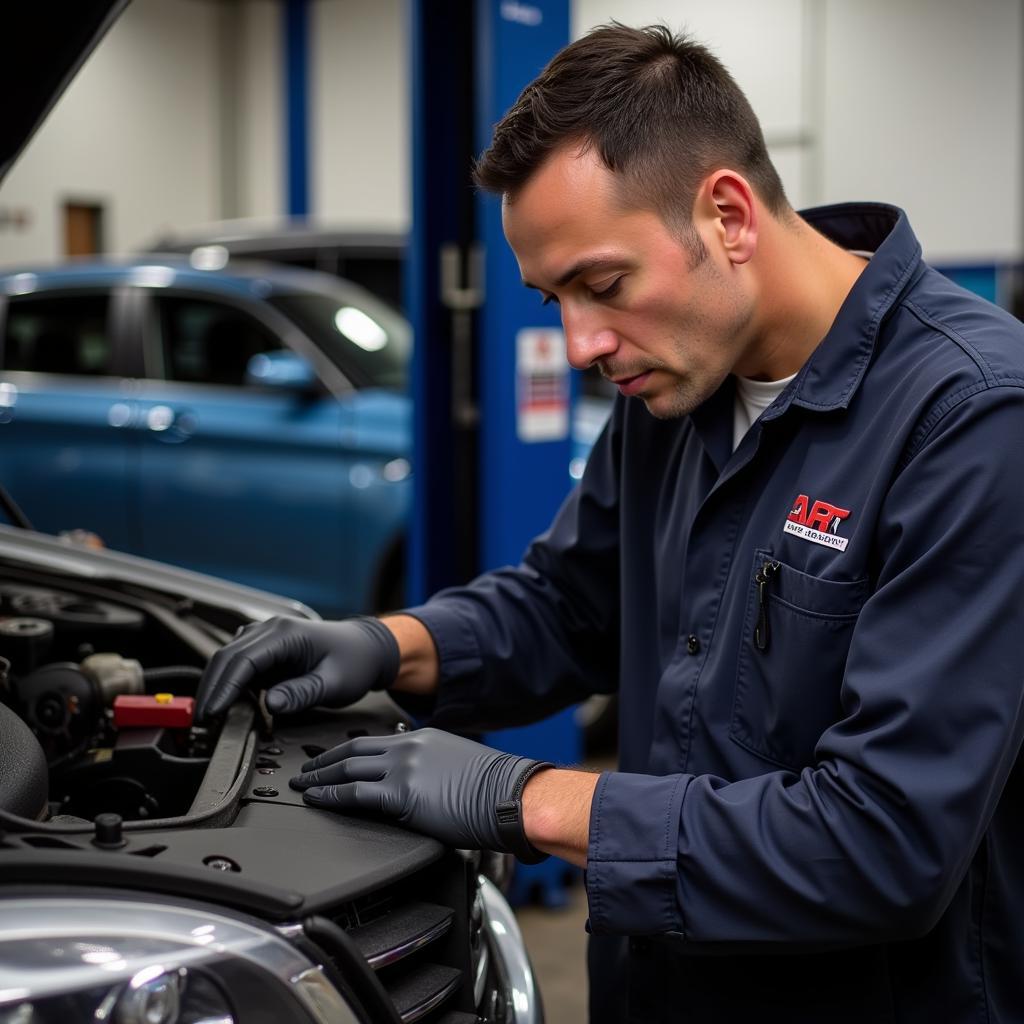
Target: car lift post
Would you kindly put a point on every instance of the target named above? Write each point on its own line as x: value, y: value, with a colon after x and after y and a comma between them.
x: 491, y: 389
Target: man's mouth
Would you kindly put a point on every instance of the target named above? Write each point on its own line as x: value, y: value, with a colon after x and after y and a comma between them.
x: 631, y: 385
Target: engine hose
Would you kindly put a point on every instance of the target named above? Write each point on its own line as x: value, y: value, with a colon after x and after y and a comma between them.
x: 167, y: 673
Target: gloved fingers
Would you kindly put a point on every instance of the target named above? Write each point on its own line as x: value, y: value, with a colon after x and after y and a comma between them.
x: 296, y: 694
x: 361, y: 746
x: 228, y: 673
x: 232, y: 669
x: 349, y: 796
x: 277, y: 642
x: 223, y: 680
x: 352, y: 769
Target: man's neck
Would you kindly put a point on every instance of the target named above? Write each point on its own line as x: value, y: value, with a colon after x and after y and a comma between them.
x: 804, y: 279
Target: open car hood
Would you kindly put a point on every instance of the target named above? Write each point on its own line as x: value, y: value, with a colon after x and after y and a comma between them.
x: 48, y: 42
x: 50, y: 554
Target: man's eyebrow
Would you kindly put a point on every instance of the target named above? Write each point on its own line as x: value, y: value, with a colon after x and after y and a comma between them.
x: 580, y: 267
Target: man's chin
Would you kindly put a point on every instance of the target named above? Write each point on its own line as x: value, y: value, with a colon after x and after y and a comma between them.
x: 672, y: 403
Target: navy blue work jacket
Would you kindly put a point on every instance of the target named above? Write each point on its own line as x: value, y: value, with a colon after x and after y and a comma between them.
x: 818, y: 640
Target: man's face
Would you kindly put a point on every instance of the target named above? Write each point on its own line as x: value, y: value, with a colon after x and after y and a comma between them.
x: 661, y: 325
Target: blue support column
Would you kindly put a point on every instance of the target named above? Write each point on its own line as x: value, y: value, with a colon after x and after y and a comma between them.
x: 442, y: 548
x: 296, y: 40
x: 491, y: 387
x: 522, y: 481
x: 526, y: 408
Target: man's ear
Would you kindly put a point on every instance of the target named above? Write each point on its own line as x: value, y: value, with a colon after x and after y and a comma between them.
x: 725, y: 201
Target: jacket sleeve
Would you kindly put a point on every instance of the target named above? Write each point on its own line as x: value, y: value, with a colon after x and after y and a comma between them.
x: 871, y: 843
x: 520, y: 643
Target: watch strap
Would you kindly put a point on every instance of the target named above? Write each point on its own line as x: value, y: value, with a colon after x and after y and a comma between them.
x: 509, y: 818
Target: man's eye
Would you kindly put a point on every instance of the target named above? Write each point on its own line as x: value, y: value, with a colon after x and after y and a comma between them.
x: 609, y: 292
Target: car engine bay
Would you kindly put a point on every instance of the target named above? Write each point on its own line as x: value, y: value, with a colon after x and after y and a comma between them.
x: 72, y: 672
x: 109, y: 787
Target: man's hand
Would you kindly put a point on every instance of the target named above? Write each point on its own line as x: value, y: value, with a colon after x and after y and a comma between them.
x: 304, y: 663
x: 458, y: 791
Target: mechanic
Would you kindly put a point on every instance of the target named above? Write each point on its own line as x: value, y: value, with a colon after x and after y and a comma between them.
x: 797, y: 553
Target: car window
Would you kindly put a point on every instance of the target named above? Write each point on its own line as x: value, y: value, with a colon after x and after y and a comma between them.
x: 207, y: 342
x: 58, y: 334
x: 370, y: 342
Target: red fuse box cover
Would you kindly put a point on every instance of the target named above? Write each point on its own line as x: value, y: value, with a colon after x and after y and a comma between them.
x: 160, y: 709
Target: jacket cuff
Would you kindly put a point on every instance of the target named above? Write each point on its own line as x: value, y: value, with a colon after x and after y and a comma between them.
x: 632, y: 872
x: 459, y: 660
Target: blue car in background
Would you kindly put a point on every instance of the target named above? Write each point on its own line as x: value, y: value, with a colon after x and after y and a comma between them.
x: 248, y: 421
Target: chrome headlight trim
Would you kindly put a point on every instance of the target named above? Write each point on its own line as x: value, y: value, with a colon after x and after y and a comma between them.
x: 109, y: 941
x: 510, y: 954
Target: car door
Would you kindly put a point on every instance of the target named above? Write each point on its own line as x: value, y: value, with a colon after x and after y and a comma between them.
x: 237, y: 480
x: 68, y: 454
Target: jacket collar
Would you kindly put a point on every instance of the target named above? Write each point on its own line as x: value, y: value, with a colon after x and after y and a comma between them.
x: 834, y: 371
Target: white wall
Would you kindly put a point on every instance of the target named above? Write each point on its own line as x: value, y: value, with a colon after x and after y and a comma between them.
x: 176, y: 120
x: 932, y: 121
x: 255, y: 93
x: 360, y: 117
x: 137, y: 132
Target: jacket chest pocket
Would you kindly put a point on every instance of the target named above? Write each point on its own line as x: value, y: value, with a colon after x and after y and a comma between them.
x: 796, y: 637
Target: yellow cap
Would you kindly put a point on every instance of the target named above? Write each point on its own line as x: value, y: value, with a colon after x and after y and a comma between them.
x: 163, y: 698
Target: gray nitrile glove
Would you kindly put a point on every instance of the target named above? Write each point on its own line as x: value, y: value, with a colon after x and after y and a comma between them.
x: 460, y: 792
x: 303, y: 663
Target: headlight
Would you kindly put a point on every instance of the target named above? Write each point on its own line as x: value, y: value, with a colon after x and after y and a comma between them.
x: 154, y: 996
x: 65, y: 961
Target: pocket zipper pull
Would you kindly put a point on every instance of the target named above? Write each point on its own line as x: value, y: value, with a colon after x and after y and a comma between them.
x: 762, y: 578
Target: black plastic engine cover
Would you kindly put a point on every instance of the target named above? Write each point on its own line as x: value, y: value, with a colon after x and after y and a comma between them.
x: 23, y: 782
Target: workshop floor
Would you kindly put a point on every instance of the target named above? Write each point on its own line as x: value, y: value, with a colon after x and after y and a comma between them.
x: 557, y: 943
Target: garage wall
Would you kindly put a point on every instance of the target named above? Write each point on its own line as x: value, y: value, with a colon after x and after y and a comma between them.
x: 933, y: 121
x: 916, y: 102
x: 177, y: 118
x: 136, y: 132
x: 360, y: 113
x: 253, y: 93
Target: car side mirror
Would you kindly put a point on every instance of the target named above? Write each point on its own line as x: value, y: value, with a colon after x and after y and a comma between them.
x: 281, y: 369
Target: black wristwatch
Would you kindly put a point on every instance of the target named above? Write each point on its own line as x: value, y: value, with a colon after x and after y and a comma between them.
x: 509, y: 815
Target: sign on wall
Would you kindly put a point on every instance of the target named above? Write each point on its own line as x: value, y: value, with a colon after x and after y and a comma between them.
x: 542, y: 385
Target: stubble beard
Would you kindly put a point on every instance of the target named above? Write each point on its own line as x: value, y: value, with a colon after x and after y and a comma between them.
x: 683, y: 398
x: 688, y: 392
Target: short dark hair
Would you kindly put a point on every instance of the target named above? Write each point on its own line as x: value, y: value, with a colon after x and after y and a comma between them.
x: 660, y: 109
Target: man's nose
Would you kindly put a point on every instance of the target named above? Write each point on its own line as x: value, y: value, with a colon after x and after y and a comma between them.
x: 587, y: 338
